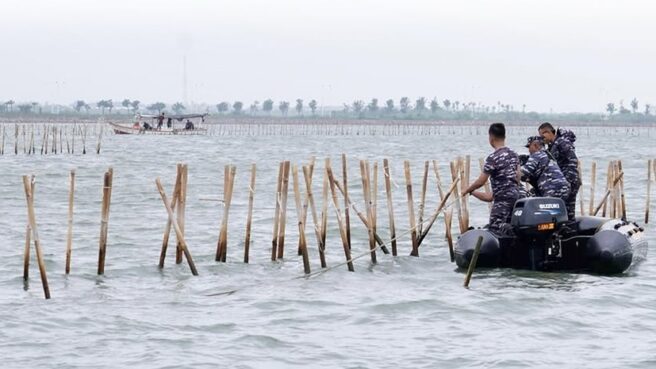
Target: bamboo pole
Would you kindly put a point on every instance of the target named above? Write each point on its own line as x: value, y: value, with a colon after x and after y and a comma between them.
x: 104, y: 222
x: 608, y: 181
x: 176, y: 227
x: 16, y: 139
x: 593, y: 185
x: 440, y: 207
x: 26, y: 252
x: 301, y: 223
x: 473, y: 261
x: 222, y: 245
x: 313, y: 209
x: 276, y: 219
x: 340, y: 221
x: 422, y: 197
x: 69, y: 233
x: 283, y: 210
x: 390, y: 205
x: 347, y: 217
x: 305, y: 199
x: 180, y: 209
x: 448, y: 219
x: 411, y: 211
x: 28, y: 185
x: 249, y: 217
x: 364, y: 173
x: 454, y: 176
x: 174, y: 201
x: 374, y: 195
x: 621, y: 189
x: 464, y: 174
x: 324, y: 208
x: 608, y: 192
x: 486, y: 186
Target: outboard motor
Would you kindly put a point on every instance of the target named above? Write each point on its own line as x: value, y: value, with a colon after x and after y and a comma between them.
x: 537, y: 222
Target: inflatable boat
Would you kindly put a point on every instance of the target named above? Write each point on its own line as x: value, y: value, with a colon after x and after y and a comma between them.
x: 540, y: 237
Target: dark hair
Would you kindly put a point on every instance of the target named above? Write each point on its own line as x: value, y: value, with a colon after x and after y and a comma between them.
x: 497, y: 130
x: 547, y: 125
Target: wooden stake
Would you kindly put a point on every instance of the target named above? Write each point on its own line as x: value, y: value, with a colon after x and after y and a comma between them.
x: 69, y: 233
x: 315, y: 220
x: 324, y: 208
x: 26, y: 252
x: 104, y: 220
x: 486, y: 186
x: 608, y: 192
x: 276, y: 219
x: 422, y: 197
x: 28, y: 186
x: 340, y: 222
x: 180, y: 209
x: 364, y: 172
x: 167, y: 229
x: 411, y: 211
x: 283, y: 210
x: 449, y: 238
x: 454, y: 177
x: 621, y: 189
x: 433, y: 218
x: 390, y: 205
x: 222, y: 245
x: 249, y: 217
x: 473, y: 261
x: 593, y: 185
x: 176, y: 227
x: 301, y: 224
x: 347, y: 217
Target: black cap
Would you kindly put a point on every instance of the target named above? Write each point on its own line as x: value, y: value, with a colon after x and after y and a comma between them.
x: 533, y: 138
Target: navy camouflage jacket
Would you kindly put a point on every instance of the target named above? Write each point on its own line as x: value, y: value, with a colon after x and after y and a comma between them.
x: 563, y: 152
x: 545, y: 176
x: 501, y: 166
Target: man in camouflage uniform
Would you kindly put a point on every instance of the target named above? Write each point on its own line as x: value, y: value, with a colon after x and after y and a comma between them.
x: 542, y: 172
x: 561, y: 149
x: 501, y: 168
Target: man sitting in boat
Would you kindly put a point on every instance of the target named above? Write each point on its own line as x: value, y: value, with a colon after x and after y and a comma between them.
x: 501, y: 168
x: 542, y: 172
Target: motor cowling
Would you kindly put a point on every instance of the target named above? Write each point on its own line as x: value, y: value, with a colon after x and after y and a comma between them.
x: 538, y: 216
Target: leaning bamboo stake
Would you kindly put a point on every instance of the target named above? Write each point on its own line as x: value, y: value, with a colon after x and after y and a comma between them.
x: 608, y: 180
x: 608, y: 192
x: 440, y: 207
x: 276, y: 218
x: 180, y: 209
x: 464, y: 173
x: 26, y: 252
x: 28, y: 186
x: 176, y: 227
x: 104, y: 222
x: 340, y: 221
x: 69, y: 233
x: 249, y: 217
x: 313, y: 209
x: 347, y: 217
x: 301, y: 224
x: 390, y: 205
x: 622, y: 202
x: 422, y: 197
x: 222, y: 245
x: 473, y: 261
x: 648, y: 198
x: 448, y: 221
x: 411, y: 211
x: 593, y: 185
x: 324, y: 208
x: 174, y: 201
x: 283, y: 210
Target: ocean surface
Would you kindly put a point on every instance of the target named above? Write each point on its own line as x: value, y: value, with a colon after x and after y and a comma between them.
x: 403, y: 312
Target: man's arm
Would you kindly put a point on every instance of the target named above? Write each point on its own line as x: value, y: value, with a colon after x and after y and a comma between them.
x: 480, y: 181
x: 483, y: 196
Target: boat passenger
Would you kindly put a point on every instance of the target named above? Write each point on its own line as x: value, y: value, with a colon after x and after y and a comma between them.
x: 189, y: 125
x: 542, y: 172
x: 561, y: 148
x: 501, y: 169
x: 168, y: 123
x: 160, y: 121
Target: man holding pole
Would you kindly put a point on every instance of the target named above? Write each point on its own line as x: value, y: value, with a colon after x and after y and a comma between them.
x: 501, y: 168
x: 561, y: 149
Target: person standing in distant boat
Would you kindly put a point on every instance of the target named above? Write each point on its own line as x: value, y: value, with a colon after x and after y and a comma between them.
x: 501, y: 169
x: 561, y: 148
x: 160, y: 121
x: 168, y: 123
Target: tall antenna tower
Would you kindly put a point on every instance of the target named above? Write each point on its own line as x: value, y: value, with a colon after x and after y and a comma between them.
x: 185, y: 97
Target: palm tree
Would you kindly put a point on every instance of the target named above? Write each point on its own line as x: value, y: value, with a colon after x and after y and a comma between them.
x: 126, y: 104
x: 634, y: 105
x: 647, y: 109
x: 79, y: 105
x: 389, y: 105
x: 447, y: 104
x: 135, y: 105
x: 373, y: 106
x: 610, y: 108
x: 434, y: 105
x: 405, y: 104
x: 10, y: 103
x: 299, y: 106
x: 420, y: 105
x: 158, y: 107
x: 267, y: 106
x: 236, y: 107
x: 110, y: 105
x: 313, y: 106
x: 284, y: 107
x: 222, y: 107
x: 178, y: 107
x: 102, y: 104
x: 358, y: 108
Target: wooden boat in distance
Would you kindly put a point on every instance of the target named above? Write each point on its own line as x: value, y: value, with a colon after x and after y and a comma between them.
x: 163, y: 124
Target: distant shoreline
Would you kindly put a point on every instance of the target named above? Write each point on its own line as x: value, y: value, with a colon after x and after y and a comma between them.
x: 306, y: 121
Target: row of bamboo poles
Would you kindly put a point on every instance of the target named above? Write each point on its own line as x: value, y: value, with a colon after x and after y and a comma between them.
x: 49, y: 139
x: 334, y: 194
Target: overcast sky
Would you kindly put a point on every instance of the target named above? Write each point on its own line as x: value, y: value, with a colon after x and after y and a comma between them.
x: 560, y: 55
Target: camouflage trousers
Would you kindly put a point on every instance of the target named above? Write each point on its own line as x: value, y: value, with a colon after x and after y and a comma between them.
x: 501, y: 212
x: 570, y: 202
